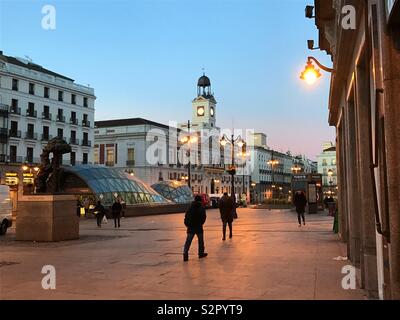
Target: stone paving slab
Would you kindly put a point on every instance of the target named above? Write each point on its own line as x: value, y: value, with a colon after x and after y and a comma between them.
x: 270, y: 257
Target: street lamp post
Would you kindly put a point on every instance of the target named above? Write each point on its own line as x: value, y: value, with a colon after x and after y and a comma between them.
x: 189, y: 140
x: 296, y: 169
x: 189, y: 153
x: 273, y: 163
x: 243, y: 154
x: 253, y: 185
x: 232, y: 170
x: 310, y: 73
x: 330, y: 174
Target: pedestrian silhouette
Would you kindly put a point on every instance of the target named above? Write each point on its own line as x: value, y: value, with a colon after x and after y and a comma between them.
x: 78, y: 207
x: 100, y: 212
x: 116, y: 212
x: 300, y: 202
x: 226, y: 210
x: 195, y: 218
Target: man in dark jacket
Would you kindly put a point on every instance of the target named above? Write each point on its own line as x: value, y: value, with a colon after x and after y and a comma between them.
x: 226, y: 211
x: 195, y: 218
x: 78, y: 207
x: 100, y: 213
x: 300, y: 202
x: 116, y: 212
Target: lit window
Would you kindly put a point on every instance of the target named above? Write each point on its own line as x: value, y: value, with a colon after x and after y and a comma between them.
x: 96, y: 156
x: 110, y: 156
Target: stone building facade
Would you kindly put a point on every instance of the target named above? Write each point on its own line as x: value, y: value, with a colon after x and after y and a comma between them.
x: 327, y: 165
x: 36, y: 105
x: 364, y: 106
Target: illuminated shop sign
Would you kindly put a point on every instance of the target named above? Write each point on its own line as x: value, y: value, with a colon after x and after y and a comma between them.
x: 299, y: 177
x: 28, y: 178
x: 11, y: 179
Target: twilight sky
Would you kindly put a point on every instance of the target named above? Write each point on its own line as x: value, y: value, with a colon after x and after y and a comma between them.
x: 143, y: 58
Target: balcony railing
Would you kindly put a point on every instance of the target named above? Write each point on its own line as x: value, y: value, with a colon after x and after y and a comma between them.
x: 3, y: 109
x: 60, y: 118
x: 86, y: 143
x: 31, y: 160
x: 15, y: 110
x: 130, y: 162
x: 31, y: 135
x: 15, y: 159
x: 15, y: 134
x: 86, y: 123
x: 74, y: 141
x: 3, y: 158
x: 31, y: 113
x: 46, y: 137
x: 46, y: 116
x: 73, y: 121
x: 3, y: 133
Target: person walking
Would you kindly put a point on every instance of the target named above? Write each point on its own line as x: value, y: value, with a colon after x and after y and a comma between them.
x: 326, y: 201
x: 300, y: 202
x: 78, y: 207
x: 116, y: 212
x: 226, y: 211
x: 331, y: 206
x: 100, y: 213
x: 123, y: 204
x: 195, y: 218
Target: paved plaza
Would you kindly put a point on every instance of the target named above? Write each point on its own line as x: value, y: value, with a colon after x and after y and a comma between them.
x: 269, y: 257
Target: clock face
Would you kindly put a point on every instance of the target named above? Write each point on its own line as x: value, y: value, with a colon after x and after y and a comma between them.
x: 212, y: 111
x: 200, y: 111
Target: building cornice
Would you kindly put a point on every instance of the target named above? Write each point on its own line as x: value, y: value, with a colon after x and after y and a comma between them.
x: 71, y: 86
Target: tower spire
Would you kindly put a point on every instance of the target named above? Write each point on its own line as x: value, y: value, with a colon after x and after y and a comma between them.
x: 204, y: 86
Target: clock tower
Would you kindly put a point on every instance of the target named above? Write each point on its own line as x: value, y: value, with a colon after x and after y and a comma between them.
x: 204, y: 106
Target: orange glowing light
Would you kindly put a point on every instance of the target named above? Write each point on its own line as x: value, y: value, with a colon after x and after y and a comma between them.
x: 184, y: 139
x: 310, y: 75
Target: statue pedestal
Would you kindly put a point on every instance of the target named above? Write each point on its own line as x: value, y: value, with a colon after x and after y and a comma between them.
x: 47, y: 218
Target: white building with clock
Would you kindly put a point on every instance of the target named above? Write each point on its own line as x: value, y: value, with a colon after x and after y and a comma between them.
x: 126, y: 142
x: 203, y: 106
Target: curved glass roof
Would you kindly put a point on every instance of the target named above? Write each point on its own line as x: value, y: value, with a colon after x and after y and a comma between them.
x: 175, y: 191
x: 105, y: 183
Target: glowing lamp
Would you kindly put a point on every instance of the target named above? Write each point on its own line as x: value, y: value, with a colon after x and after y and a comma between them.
x: 223, y: 142
x: 310, y: 74
x: 184, y: 139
